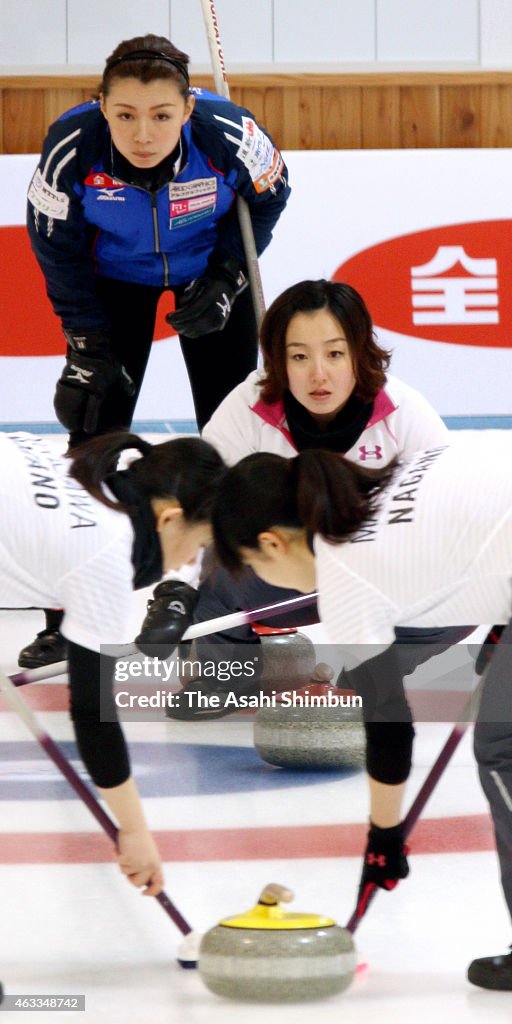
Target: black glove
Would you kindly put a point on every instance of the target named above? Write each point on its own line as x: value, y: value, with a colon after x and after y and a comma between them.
x: 206, y: 304
x: 169, y: 614
x: 90, y: 371
x: 385, y: 862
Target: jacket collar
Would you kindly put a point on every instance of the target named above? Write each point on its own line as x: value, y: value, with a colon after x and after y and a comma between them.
x: 383, y: 406
x: 274, y: 414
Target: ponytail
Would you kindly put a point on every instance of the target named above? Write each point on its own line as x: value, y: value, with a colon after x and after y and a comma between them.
x: 316, y: 491
x: 186, y: 468
x: 334, y: 496
x: 95, y: 460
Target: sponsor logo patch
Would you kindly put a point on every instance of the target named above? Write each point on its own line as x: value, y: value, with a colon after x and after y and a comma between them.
x: 258, y: 154
x: 107, y: 189
x: 110, y: 195
x: 47, y: 200
x: 97, y: 179
x: 191, y: 201
x: 266, y: 181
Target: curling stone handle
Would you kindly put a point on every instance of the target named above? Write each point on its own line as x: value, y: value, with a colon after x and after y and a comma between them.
x: 274, y: 893
x: 323, y: 673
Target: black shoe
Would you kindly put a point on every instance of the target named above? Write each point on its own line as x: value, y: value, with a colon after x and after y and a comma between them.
x: 48, y: 647
x: 492, y: 972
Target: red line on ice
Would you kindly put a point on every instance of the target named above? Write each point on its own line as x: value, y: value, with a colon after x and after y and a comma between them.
x: 464, y: 834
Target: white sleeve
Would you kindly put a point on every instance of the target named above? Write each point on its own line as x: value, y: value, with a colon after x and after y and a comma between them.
x: 355, y: 614
x: 418, y: 425
x: 97, y: 597
x: 232, y: 429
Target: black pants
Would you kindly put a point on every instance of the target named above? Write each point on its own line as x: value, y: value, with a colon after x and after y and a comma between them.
x: 215, y: 363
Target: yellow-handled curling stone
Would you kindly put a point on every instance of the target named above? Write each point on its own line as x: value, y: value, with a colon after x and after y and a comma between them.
x: 312, y: 728
x: 268, y: 954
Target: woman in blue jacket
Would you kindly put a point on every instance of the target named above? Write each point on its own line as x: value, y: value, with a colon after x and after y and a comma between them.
x: 135, y: 194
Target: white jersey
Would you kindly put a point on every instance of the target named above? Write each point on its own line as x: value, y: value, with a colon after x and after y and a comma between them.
x: 437, y: 553
x: 59, y: 547
x: 402, y: 422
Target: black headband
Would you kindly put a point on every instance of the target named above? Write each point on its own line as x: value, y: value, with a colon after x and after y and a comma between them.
x: 149, y: 55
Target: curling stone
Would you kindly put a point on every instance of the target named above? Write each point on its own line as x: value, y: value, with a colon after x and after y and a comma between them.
x: 288, y: 658
x: 312, y: 728
x: 269, y: 955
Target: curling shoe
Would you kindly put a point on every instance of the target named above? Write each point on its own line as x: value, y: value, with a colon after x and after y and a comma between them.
x: 492, y: 972
x: 48, y: 647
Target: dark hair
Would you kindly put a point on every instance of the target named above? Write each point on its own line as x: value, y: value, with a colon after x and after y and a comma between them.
x: 186, y: 468
x: 370, y: 361
x: 316, y: 490
x: 147, y: 58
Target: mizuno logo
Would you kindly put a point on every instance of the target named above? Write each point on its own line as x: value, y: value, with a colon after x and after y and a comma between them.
x: 110, y: 194
x: 81, y: 376
x: 225, y: 306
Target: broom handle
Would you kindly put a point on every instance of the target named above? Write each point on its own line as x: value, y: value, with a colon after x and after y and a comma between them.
x: 444, y: 757
x: 25, y: 713
x: 244, y: 214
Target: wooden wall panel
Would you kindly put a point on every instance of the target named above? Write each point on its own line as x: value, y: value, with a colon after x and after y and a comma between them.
x: 310, y: 111
x: 380, y: 125
x: 341, y: 118
x: 378, y: 110
x: 290, y: 127
x: 57, y: 101
x: 273, y: 112
x: 460, y: 116
x: 254, y: 100
x: 24, y: 120
x: 420, y: 126
x: 496, y: 114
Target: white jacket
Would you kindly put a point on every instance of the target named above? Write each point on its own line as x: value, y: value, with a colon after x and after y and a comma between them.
x: 60, y: 547
x: 437, y: 552
x: 402, y: 422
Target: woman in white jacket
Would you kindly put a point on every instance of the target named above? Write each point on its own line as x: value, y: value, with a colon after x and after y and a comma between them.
x: 324, y: 385
x: 80, y: 534
x: 425, y: 543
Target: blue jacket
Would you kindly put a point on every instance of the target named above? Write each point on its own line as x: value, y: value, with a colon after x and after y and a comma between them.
x: 83, y: 219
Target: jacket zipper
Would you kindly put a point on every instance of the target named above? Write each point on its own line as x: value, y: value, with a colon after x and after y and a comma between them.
x: 154, y: 212
x: 156, y: 234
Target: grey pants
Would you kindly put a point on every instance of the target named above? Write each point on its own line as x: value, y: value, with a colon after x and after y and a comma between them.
x: 493, y: 751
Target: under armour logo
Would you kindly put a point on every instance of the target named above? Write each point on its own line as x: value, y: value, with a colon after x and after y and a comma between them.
x: 225, y: 306
x: 177, y: 606
x: 81, y: 376
x: 370, y: 453
x: 379, y: 860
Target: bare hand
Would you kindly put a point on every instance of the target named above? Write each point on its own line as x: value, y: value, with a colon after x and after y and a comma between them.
x: 139, y: 860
